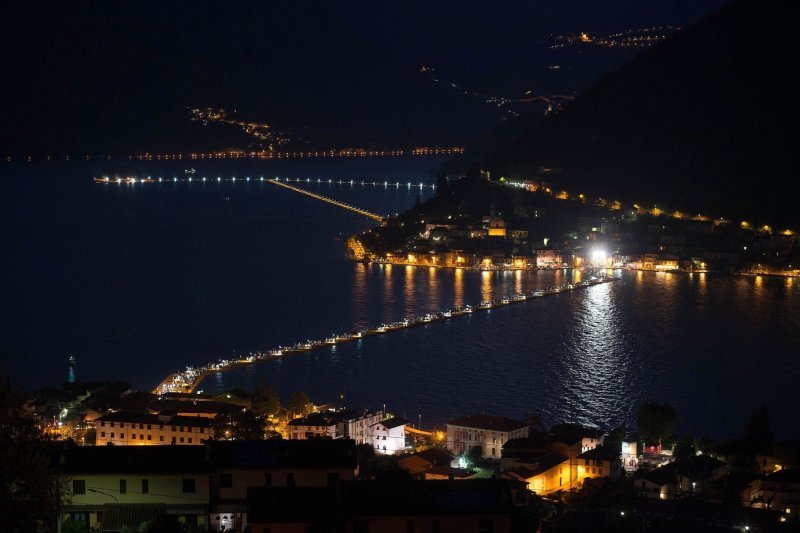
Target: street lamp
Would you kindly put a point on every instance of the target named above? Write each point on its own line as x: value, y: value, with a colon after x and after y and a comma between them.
x: 105, y: 494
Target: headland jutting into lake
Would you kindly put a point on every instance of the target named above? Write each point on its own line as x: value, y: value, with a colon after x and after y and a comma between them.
x: 474, y: 221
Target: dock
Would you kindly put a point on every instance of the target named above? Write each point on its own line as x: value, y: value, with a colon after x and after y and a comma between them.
x: 187, y: 380
x: 329, y: 200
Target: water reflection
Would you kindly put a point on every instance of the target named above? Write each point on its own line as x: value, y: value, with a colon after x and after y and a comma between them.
x: 408, y: 291
x: 598, y: 365
x: 434, y: 302
x: 360, y: 295
x: 388, y: 293
x: 486, y: 285
x: 458, y: 287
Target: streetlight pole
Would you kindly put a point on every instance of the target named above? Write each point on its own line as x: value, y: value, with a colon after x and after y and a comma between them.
x: 105, y: 494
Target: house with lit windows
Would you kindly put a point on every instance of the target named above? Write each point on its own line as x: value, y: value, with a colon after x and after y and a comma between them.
x: 488, y: 432
x: 137, y: 429
x: 389, y: 436
x: 313, y: 426
x: 336, y: 424
x: 110, y: 488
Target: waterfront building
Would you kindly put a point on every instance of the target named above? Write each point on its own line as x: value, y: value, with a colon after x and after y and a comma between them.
x: 336, y: 424
x: 523, y: 452
x: 488, y: 432
x: 599, y: 462
x: 313, y: 426
x: 548, y: 258
x: 389, y: 436
x: 127, y: 429
x: 111, y: 488
x: 236, y: 466
x: 496, y: 227
x: 589, y: 438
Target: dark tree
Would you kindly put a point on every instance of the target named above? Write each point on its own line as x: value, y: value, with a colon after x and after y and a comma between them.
x: 31, y: 488
x: 617, y: 434
x: 239, y: 425
x: 656, y: 421
x: 266, y: 401
x: 300, y: 403
x: 684, y: 448
x: 757, y: 435
x: 475, y: 454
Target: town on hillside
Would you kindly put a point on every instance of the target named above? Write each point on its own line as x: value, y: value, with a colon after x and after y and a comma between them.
x: 477, y: 222
x: 127, y: 460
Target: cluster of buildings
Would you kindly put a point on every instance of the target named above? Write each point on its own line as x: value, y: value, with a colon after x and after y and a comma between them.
x: 266, y: 486
x: 314, y: 478
x: 385, y: 434
x: 557, y: 230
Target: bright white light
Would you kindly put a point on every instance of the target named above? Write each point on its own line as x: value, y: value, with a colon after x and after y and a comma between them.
x: 599, y: 257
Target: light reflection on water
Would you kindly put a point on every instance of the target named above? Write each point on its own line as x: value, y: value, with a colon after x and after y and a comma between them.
x: 710, y: 345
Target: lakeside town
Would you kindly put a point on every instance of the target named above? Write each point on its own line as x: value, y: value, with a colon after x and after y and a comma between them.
x: 129, y: 460
x: 475, y: 222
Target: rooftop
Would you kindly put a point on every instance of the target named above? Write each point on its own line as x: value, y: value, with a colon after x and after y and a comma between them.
x: 488, y: 423
x: 394, y: 422
x: 279, y: 453
x: 378, y: 498
x: 133, y: 459
x: 142, y: 418
x: 601, y: 453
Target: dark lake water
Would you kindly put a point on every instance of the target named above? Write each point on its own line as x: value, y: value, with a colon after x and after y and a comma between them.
x: 137, y: 281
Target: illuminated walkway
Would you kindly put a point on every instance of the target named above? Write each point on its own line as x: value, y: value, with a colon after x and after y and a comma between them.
x: 331, y: 201
x: 186, y: 381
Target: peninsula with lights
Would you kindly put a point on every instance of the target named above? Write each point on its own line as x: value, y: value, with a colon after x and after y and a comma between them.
x: 644, y: 170
x: 475, y: 222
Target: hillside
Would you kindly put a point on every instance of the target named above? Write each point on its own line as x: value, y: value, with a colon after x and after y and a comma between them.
x: 704, y: 122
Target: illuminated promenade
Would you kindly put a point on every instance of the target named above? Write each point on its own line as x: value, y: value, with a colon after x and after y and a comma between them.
x: 331, y: 201
x: 186, y: 381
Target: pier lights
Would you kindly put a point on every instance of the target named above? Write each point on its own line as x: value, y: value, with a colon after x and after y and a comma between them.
x: 159, y: 180
x: 174, y: 179
x: 248, y: 178
x: 233, y: 178
x: 219, y: 179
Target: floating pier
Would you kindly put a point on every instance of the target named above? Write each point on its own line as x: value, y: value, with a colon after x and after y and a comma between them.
x: 187, y: 380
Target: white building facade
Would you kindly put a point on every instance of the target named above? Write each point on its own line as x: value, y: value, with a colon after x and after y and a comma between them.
x: 389, y: 436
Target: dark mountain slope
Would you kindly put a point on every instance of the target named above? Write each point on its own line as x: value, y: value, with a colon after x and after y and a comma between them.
x: 704, y: 122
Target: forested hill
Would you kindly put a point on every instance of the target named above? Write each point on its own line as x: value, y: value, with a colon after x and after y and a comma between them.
x: 706, y: 122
